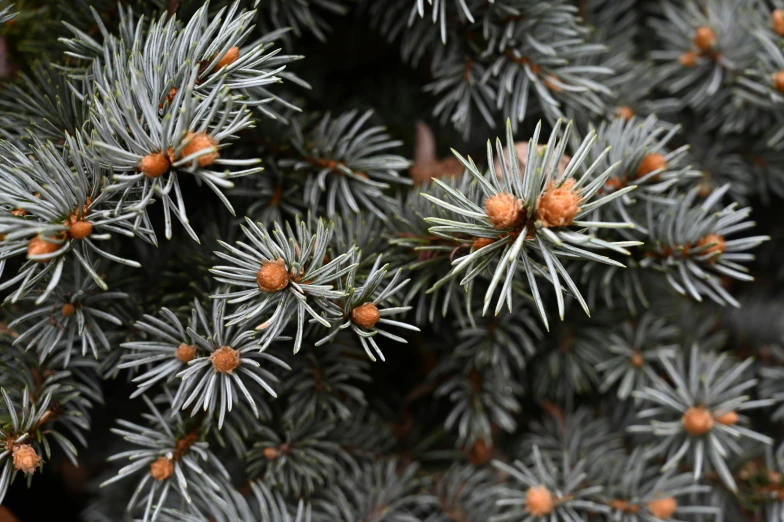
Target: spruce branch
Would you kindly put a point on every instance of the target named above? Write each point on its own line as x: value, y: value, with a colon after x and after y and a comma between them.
x: 695, y: 417
x: 282, y: 271
x: 61, y: 209
x: 531, y: 211
x: 229, y: 361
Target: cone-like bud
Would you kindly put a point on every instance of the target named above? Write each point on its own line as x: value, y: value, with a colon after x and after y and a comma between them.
x: 663, y: 508
x: 272, y: 276
x: 185, y: 352
x: 539, y: 501
x: 558, y: 206
x: 503, y: 210
x: 697, y: 421
x: 162, y: 468
x: 25, y: 458
x: 366, y: 315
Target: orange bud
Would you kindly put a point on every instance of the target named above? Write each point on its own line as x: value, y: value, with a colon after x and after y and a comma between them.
x: 503, y: 210
x: 697, y: 421
x: 225, y: 359
x: 155, y: 165
x: 366, y: 315
x: 704, y: 39
x: 272, y: 276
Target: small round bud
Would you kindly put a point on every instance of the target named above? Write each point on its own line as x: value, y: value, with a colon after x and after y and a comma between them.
x: 728, y: 419
x: 366, y: 315
x: 778, y: 81
x: 271, y: 453
x: 272, y: 276
x: 162, y: 468
x: 663, y: 508
x: 704, y: 39
x: 231, y: 56
x: 624, y: 112
x: 185, y: 353
x: 539, y: 501
x: 25, y: 458
x: 19, y: 212
x: 155, y: 165
x: 481, y: 242
x: 225, y: 359
x: 68, y: 310
x: 80, y: 229
x: 558, y: 206
x: 777, y: 21
x: 637, y: 360
x: 688, y: 59
x: 717, y: 244
x: 503, y: 210
x: 697, y: 421
x: 200, y: 142
x: 38, y: 246
x: 650, y: 163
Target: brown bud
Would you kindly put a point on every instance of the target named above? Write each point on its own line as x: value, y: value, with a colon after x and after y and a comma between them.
x: 503, y: 210
x: 198, y: 143
x: 272, y: 276
x: 637, y: 360
x: 728, y: 419
x: 271, y: 453
x: 19, y: 212
x: 155, y: 165
x: 25, y: 458
x: 39, y: 246
x: 162, y: 468
x: 625, y: 112
x: 482, y: 242
x: 688, y: 59
x: 650, y: 163
x: 777, y: 21
x: 778, y: 81
x: 68, y: 310
x: 366, y: 315
x: 663, y: 508
x: 231, y: 56
x: 717, y: 244
x: 80, y: 229
x: 185, y: 352
x: 697, y: 421
x: 558, y: 206
x: 225, y: 359
x: 539, y: 501
x: 704, y: 39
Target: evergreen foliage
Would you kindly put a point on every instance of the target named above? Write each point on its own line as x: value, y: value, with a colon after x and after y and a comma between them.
x: 392, y: 260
